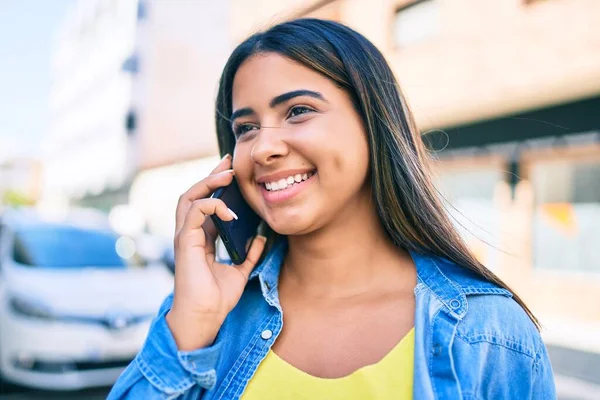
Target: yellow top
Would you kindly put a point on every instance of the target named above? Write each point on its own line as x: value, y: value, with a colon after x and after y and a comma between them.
x: 390, y: 378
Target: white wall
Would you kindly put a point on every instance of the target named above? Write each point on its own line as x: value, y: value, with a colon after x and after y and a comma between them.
x: 86, y: 149
x: 183, y: 46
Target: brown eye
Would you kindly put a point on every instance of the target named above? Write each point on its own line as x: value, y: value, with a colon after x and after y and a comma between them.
x: 240, y: 130
x: 298, y: 110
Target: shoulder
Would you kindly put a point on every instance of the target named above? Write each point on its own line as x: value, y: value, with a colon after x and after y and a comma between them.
x: 492, y: 314
x: 486, y: 312
x: 500, y: 321
x: 495, y: 342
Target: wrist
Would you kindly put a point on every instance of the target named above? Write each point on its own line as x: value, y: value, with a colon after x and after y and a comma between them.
x: 192, y: 333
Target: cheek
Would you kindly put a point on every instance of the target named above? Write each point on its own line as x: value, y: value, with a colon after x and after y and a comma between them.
x: 243, y: 168
x: 351, y: 159
x: 336, y: 145
x: 242, y: 159
x: 348, y: 146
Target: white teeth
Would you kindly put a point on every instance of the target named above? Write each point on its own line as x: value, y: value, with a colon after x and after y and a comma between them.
x: 289, y: 181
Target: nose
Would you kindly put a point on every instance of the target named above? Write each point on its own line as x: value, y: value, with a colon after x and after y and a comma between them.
x: 269, y: 147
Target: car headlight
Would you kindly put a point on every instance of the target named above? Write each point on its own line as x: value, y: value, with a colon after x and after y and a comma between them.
x: 30, y: 307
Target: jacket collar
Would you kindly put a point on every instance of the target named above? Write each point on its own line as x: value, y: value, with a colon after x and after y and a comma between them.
x: 268, y: 269
x: 451, y: 283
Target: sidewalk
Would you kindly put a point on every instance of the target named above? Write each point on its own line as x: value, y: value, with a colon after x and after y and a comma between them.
x: 568, y: 388
x: 574, y: 349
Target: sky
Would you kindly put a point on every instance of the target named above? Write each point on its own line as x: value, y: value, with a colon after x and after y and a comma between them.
x: 26, y: 44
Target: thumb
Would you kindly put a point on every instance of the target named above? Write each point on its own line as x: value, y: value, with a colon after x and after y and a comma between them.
x: 256, y: 249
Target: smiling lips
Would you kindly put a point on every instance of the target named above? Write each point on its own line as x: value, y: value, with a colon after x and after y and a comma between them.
x: 282, y: 186
x: 283, y: 183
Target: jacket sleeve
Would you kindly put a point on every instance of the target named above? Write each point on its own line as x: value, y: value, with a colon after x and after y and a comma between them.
x: 543, y: 386
x: 160, y: 371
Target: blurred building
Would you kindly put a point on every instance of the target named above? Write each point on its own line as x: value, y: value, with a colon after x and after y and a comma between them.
x: 507, y: 93
x: 181, y: 49
x: 88, y: 152
x: 132, y: 104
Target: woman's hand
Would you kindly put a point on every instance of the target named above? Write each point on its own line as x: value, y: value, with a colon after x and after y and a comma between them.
x: 205, y: 290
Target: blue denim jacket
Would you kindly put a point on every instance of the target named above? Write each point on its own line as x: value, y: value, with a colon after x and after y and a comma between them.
x: 472, y: 341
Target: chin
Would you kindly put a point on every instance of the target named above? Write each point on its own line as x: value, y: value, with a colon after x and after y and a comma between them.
x: 290, y: 225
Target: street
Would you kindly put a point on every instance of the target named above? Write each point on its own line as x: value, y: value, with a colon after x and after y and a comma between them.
x: 11, y: 392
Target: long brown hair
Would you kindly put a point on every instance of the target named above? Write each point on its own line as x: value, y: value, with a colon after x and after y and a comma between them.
x: 407, y: 202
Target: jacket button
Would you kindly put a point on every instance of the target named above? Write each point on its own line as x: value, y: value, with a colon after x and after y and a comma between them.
x: 455, y: 304
x: 266, y: 334
x: 437, y: 350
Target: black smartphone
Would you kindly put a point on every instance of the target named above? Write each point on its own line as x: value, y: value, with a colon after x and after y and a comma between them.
x: 236, y: 234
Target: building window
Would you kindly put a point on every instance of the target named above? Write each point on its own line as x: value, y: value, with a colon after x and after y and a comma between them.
x: 416, y: 22
x: 468, y: 188
x: 142, y: 10
x: 131, y: 64
x: 131, y: 122
x: 566, y: 224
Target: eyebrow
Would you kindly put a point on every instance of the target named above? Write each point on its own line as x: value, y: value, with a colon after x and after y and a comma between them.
x: 277, y: 100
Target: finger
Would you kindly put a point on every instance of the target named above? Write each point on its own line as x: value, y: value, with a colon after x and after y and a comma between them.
x: 200, y: 190
x: 211, y: 257
x: 209, y: 228
x: 195, y: 192
x: 210, y: 246
x: 224, y: 164
x: 191, y: 233
x: 256, y: 249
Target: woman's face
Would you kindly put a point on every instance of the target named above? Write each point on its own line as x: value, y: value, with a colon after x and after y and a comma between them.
x: 301, y: 156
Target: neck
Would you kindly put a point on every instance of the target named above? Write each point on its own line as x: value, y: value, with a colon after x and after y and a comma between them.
x: 351, y: 256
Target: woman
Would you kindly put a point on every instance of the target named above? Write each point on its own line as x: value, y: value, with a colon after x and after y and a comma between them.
x: 380, y: 297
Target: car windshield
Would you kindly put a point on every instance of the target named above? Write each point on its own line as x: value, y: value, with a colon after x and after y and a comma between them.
x: 69, y: 247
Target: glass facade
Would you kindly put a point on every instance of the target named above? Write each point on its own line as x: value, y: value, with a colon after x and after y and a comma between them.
x: 566, y: 225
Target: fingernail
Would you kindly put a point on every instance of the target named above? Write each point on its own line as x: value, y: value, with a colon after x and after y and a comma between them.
x: 232, y: 214
x: 229, y: 171
x: 225, y: 156
x: 261, y: 237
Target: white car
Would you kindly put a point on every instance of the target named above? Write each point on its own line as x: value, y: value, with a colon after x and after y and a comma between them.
x: 74, y: 307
